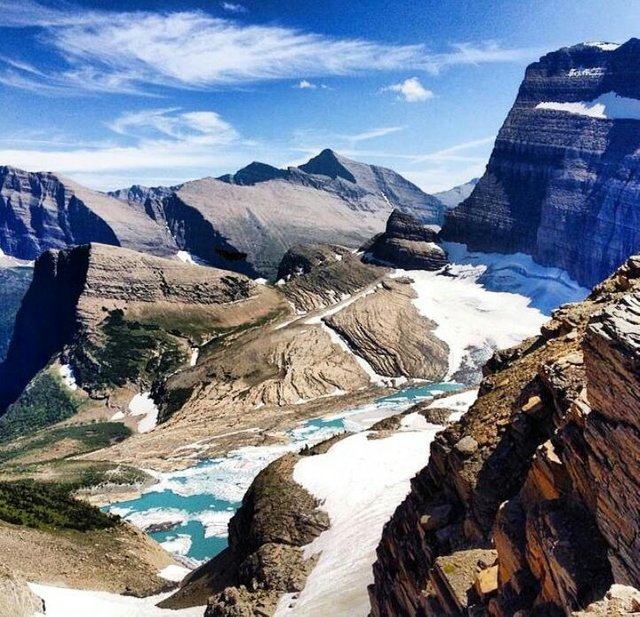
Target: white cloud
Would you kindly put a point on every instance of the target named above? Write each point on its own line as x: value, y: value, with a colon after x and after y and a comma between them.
x: 234, y: 8
x: 158, y: 146
x: 411, y: 90
x: 140, y: 51
x: 304, y: 84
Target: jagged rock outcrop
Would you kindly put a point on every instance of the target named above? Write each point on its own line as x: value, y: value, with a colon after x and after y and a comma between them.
x: 248, y: 220
x: 40, y: 211
x: 16, y: 599
x: 385, y: 328
x: 121, y: 317
x: 542, y: 470
x: 264, y: 559
x: 407, y: 243
x: 560, y: 184
x: 320, y: 275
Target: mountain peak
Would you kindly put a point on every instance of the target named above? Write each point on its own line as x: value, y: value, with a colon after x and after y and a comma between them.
x: 329, y: 163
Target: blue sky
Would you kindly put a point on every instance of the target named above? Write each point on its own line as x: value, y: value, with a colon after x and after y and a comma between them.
x: 112, y: 92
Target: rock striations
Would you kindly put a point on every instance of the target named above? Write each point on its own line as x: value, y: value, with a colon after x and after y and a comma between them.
x: 561, y: 182
x: 40, y: 211
x: 408, y: 244
x: 529, y: 503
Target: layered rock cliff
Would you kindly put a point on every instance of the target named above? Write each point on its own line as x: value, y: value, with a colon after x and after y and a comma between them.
x: 528, y: 502
x: 40, y: 211
x: 560, y: 183
x: 118, y: 316
x: 407, y: 244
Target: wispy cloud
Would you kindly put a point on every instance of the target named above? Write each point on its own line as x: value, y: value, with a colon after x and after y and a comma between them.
x: 153, y: 146
x: 230, y: 7
x: 411, y: 90
x: 135, y: 52
x: 305, y: 84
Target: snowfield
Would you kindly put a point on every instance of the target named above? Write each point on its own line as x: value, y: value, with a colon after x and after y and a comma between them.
x: 360, y: 483
x: 62, y: 602
x: 609, y: 106
x: 472, y: 321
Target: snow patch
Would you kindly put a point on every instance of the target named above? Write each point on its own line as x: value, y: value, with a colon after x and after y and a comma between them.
x: 174, y: 573
x: 360, y: 482
x: 188, y: 258
x: 195, y: 352
x: 178, y: 545
x: 609, y: 106
x: 458, y: 403
x: 602, y: 45
x: 64, y: 602
x: 143, y: 405
x: 68, y: 377
x: 594, y: 71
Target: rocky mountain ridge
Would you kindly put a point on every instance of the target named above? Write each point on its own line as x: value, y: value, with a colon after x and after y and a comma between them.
x: 526, y: 503
x: 248, y: 220
x: 41, y: 211
x: 560, y: 183
x: 121, y: 317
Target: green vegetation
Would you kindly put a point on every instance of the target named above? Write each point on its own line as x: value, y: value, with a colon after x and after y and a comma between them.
x: 44, y: 401
x: 132, y: 351
x: 48, y: 506
x: 13, y: 285
x: 76, y: 474
x: 81, y: 438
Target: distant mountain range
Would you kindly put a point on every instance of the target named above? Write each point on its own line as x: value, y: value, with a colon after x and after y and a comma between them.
x: 243, y: 222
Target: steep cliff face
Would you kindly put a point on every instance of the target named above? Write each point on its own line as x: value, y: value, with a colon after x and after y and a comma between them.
x: 528, y: 503
x: 121, y: 317
x: 40, y: 211
x: 560, y: 184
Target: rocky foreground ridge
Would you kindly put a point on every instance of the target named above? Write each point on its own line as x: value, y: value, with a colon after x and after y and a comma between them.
x: 561, y: 181
x: 529, y: 504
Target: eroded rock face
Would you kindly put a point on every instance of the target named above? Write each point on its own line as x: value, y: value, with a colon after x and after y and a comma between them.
x: 385, y: 328
x: 41, y: 211
x: 550, y: 483
x: 320, y: 275
x: 264, y: 558
x: 407, y: 243
x: 16, y: 599
x: 560, y: 185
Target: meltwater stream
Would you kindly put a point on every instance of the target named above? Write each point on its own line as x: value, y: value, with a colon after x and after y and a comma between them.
x: 190, y: 509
